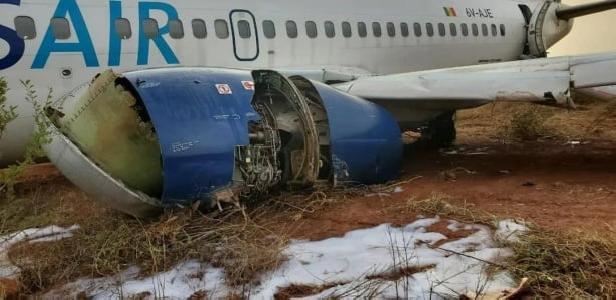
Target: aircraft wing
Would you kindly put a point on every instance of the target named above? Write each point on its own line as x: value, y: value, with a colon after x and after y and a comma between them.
x: 601, y: 92
x: 546, y: 80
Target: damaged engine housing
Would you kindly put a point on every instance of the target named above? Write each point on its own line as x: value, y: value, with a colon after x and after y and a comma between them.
x: 144, y: 140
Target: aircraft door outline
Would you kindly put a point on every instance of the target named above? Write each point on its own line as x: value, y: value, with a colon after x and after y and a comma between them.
x: 244, y: 48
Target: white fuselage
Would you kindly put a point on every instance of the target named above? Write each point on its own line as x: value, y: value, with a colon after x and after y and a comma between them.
x: 250, y: 42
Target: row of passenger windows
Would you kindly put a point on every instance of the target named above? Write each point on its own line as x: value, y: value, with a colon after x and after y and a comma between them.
x: 26, y: 29
x: 390, y: 27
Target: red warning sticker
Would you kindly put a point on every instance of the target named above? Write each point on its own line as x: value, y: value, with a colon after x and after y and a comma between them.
x: 248, y: 85
x: 224, y: 89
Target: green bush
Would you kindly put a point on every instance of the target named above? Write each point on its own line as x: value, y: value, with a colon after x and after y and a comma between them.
x: 528, y: 124
x: 34, y: 148
x: 7, y: 113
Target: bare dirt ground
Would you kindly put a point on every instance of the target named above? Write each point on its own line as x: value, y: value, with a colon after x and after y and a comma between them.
x: 565, y: 181
x: 549, y: 184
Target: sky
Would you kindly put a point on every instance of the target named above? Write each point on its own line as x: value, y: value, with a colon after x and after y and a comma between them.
x: 590, y: 34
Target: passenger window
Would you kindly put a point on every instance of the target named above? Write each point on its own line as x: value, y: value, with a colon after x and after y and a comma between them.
x: 376, y: 29
x: 347, y: 32
x: 404, y: 29
x: 475, y: 30
x: 417, y: 29
x: 494, y: 30
x: 199, y: 28
x: 429, y: 29
x: 441, y: 29
x: 391, y: 29
x: 122, y: 28
x: 484, y: 29
x: 25, y: 27
x: 221, y: 28
x: 464, y: 27
x: 362, y: 29
x: 311, y: 29
x: 176, y: 29
x: 269, y: 30
x: 330, y: 29
x: 61, y: 28
x: 150, y: 28
x: 243, y: 27
x: 502, y: 30
x: 291, y: 29
x: 453, y: 29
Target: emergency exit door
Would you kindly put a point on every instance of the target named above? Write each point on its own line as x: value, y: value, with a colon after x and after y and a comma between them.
x: 244, y: 34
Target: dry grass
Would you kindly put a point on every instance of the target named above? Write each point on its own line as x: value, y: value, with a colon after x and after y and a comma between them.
x: 248, y: 242
x: 592, y: 119
x: 109, y: 243
x: 439, y: 204
x: 528, y: 125
x: 41, y: 204
x: 557, y: 264
x: 567, y: 264
x: 245, y: 242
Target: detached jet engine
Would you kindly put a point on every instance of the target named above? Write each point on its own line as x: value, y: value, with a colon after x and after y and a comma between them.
x: 145, y: 140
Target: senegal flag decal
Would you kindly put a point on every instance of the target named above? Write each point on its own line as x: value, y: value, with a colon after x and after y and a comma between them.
x: 450, y: 11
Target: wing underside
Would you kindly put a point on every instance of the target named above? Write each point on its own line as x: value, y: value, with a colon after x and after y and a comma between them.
x: 547, y: 81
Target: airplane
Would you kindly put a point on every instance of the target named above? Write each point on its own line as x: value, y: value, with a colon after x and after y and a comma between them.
x: 326, y: 65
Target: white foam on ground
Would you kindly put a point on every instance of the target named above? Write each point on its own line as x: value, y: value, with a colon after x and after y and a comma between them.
x: 510, y: 230
x: 356, y: 262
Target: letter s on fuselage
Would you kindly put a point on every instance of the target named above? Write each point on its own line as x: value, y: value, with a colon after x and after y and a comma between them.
x: 16, y: 44
x: 83, y: 43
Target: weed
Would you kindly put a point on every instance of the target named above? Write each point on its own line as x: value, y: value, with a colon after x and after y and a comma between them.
x: 566, y: 264
x: 7, y: 113
x: 438, y: 204
x: 110, y: 243
x: 557, y: 264
x: 528, y: 124
x: 34, y: 147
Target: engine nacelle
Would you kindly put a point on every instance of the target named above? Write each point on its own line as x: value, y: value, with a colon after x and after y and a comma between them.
x: 145, y: 140
x: 546, y: 28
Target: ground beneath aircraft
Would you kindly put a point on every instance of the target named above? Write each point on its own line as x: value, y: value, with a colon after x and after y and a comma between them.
x: 553, y: 184
x: 562, y: 182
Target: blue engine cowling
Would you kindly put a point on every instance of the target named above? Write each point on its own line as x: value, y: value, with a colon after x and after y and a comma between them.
x: 227, y: 133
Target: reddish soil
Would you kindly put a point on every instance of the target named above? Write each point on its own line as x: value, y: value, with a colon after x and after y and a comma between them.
x: 550, y: 184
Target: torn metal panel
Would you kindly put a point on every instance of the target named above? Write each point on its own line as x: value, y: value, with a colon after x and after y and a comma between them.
x: 107, y: 127
x: 199, y: 119
x: 221, y: 136
x: 95, y: 181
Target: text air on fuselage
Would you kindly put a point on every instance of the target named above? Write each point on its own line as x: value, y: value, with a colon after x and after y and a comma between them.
x: 83, y: 44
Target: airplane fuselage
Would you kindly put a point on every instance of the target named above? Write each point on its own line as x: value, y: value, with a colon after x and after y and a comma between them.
x: 74, y: 40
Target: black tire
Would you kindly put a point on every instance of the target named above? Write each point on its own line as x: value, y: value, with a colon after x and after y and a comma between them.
x: 440, y: 132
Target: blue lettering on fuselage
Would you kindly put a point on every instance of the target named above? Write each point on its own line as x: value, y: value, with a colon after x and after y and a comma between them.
x: 115, y: 42
x: 16, y: 44
x: 67, y: 9
x: 159, y: 41
x: 82, y: 41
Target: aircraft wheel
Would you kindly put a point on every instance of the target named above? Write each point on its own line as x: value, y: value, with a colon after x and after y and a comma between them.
x: 440, y: 132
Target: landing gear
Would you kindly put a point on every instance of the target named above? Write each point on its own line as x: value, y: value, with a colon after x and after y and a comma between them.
x: 440, y: 132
